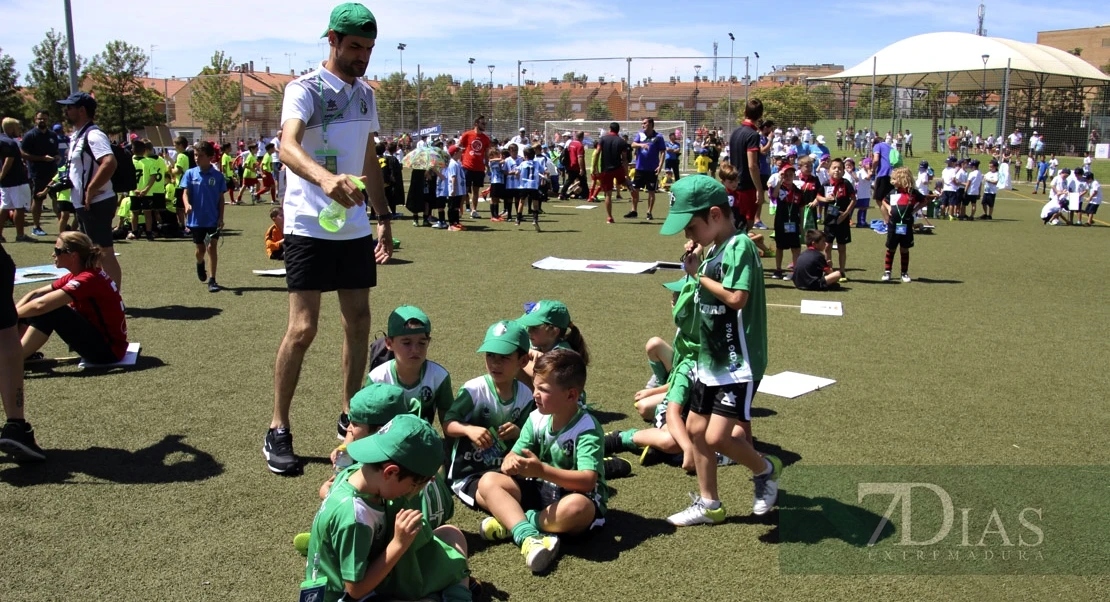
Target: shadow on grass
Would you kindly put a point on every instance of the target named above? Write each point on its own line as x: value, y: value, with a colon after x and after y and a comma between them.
x: 168, y: 461
x: 397, y: 261
x: 491, y: 592
x: 788, y: 457
x: 174, y: 312
x: 806, y: 520
x: 623, y: 531
x: 239, y: 290
x: 46, y: 368
x: 763, y: 412
x: 937, y: 281
x: 605, y: 417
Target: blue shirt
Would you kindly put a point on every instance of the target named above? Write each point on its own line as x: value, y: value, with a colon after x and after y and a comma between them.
x: 205, y: 190
x: 512, y: 182
x: 647, y: 159
x: 541, y: 168
x: 672, y: 150
x: 496, y: 172
x: 1042, y: 169
x: 443, y: 185
x: 455, y: 170
x: 764, y: 161
x: 883, y: 150
x: 528, y: 177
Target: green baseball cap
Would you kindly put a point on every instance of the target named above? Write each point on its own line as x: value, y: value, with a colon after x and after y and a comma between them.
x: 688, y: 196
x: 505, y: 337
x: 546, y: 312
x: 676, y: 286
x: 406, y: 440
x: 378, y: 403
x: 401, y: 318
x: 353, y: 19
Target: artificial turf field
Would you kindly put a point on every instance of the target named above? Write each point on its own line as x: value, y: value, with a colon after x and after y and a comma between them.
x: 155, y: 487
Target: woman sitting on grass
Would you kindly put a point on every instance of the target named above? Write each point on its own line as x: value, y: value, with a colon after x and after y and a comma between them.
x: 84, y: 306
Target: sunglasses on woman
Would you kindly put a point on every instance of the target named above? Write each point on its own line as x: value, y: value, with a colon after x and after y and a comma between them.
x: 62, y: 250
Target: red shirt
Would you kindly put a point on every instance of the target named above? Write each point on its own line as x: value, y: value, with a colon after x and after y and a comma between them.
x: 96, y: 299
x: 573, y: 149
x: 475, y: 147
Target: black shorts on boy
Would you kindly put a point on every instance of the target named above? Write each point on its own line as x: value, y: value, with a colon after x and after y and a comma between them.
x: 988, y: 199
x: 895, y: 240
x: 646, y: 180
x: 731, y: 401
x: 841, y: 233
x: 536, y: 494
x: 199, y: 234
x: 784, y: 239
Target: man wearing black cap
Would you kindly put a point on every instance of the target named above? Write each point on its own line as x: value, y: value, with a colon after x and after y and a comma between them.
x: 91, y: 165
x: 40, y: 148
x: 329, y: 122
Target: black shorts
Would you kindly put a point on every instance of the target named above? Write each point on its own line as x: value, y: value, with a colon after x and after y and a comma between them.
x: 840, y: 233
x: 315, y: 264
x: 38, y: 183
x: 143, y: 203
x: 948, y: 198
x: 466, y: 489
x: 1092, y: 208
x: 731, y: 401
x: 894, y: 240
x: 971, y: 199
x: 8, y: 315
x: 65, y: 206
x: 646, y: 180
x: 988, y: 199
x: 178, y: 195
x: 199, y: 234
x: 439, y: 202
x: 157, y: 201
x: 882, y: 187
x: 475, y: 179
x: 537, y: 495
x: 497, y: 190
x: 764, y: 177
x: 784, y: 239
x: 96, y: 221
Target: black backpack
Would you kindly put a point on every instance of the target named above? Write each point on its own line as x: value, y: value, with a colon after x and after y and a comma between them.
x: 124, y: 179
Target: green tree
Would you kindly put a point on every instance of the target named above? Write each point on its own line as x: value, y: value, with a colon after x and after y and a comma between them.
x: 439, y: 102
x: 670, y: 112
x: 790, y: 105
x: 11, y: 98
x: 597, y: 111
x: 568, y: 77
x: 389, y: 103
x: 217, y: 96
x: 563, y: 107
x: 124, y: 102
x: 532, y: 108
x: 48, y: 73
x: 884, y: 105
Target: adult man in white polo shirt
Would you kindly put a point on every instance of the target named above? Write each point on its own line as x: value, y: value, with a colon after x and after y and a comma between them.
x: 329, y: 121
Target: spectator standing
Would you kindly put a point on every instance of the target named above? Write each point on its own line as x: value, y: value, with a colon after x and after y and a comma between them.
x: 650, y: 148
x: 613, y: 170
x: 880, y: 163
x: 15, y: 190
x: 40, y: 149
x: 744, y: 150
x: 475, y: 145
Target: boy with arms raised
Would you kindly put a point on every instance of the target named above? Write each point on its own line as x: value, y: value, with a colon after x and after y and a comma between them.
x: 408, y: 335
x: 732, y: 348
x: 203, y: 198
x: 553, y: 479
x: 488, y: 412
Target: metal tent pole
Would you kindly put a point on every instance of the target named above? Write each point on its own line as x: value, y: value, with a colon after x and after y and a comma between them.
x: 1005, y: 98
x: 874, y: 70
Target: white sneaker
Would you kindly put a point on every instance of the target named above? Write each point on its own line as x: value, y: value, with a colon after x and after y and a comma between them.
x: 697, y: 514
x: 538, y: 552
x: 723, y: 460
x: 905, y: 277
x: 767, y: 488
x: 652, y: 382
x: 886, y: 277
x: 475, y: 215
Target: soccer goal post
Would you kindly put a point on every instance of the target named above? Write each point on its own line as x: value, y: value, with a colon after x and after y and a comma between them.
x: 559, y: 131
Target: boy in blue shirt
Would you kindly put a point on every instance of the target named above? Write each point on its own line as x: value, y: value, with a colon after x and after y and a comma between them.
x: 456, y: 188
x: 529, y: 188
x: 204, y: 187
x: 512, y: 179
x: 1042, y: 176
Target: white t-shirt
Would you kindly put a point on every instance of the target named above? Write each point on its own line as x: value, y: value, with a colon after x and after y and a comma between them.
x: 863, y: 184
x: 990, y: 182
x: 923, y: 182
x: 974, y: 182
x: 352, y: 115
x: 948, y: 177
x: 1058, y: 186
x: 1096, y: 192
x: 83, y: 166
x: 909, y: 138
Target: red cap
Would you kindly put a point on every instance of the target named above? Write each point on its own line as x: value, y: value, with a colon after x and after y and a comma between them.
x: 454, y: 148
x: 786, y: 166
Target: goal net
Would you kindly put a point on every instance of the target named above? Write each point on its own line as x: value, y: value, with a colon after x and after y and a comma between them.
x: 558, y: 131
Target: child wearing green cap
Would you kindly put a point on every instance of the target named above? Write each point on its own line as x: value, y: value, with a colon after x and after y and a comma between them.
x: 357, y: 540
x: 552, y: 483
x: 488, y: 412
x: 408, y: 335
x: 549, y: 327
x: 732, y: 345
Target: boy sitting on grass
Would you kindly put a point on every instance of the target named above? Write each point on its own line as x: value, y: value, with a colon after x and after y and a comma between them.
x: 408, y: 335
x: 275, y: 239
x: 811, y: 271
x: 360, y: 536
x: 552, y: 482
x: 488, y: 412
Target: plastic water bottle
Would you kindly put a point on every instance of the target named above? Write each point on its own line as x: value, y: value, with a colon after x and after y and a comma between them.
x: 343, y: 459
x: 333, y: 217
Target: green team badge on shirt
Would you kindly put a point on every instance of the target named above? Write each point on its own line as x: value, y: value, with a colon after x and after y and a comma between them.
x: 362, y: 108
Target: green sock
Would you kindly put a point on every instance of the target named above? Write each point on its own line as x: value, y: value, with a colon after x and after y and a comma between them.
x: 626, y: 440
x: 533, y: 518
x: 523, y: 530
x: 659, y: 370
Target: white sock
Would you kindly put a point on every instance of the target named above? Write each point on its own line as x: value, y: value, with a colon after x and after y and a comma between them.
x: 711, y: 504
x: 768, y: 470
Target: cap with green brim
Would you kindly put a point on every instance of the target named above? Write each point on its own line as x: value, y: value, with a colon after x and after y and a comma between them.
x: 408, y: 319
x: 353, y: 19
x: 405, y: 440
x: 546, y: 311
x: 688, y: 196
x: 676, y: 286
x: 505, y: 337
x: 377, y: 404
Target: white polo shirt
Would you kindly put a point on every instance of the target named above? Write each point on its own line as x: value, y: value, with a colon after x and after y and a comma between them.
x: 351, y: 114
x: 89, y: 146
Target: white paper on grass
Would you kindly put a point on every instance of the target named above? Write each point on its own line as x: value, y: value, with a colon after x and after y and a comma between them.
x: 1074, y: 201
x: 586, y: 207
x: 129, y: 358
x: 277, y: 272
x: 38, y: 273
x: 823, y: 308
x: 592, y: 265
x: 792, y: 384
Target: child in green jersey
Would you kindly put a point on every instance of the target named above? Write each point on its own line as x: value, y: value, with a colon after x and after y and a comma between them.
x: 360, y: 537
x: 732, y: 345
x: 408, y: 335
x: 549, y: 327
x: 552, y: 483
x: 488, y: 412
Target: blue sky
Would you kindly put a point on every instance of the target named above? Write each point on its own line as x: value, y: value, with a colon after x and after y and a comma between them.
x: 441, y: 36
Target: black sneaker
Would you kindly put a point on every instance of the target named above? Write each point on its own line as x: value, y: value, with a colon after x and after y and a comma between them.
x: 617, y: 468
x: 651, y: 456
x: 631, y: 215
x: 202, y: 274
x: 613, y: 443
x: 150, y: 236
x: 212, y: 286
x: 342, y: 425
x: 278, y: 449
x: 536, y: 224
x: 18, y: 439
x: 649, y: 216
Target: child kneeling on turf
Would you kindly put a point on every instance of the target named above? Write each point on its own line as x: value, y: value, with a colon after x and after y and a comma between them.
x: 552, y: 483
x: 408, y: 335
x: 488, y: 412
x: 357, y: 542
x: 811, y: 271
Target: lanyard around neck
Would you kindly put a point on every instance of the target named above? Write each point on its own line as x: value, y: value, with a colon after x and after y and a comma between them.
x: 323, y: 105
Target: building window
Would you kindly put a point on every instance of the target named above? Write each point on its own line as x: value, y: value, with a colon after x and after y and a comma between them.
x: 635, y: 106
x: 681, y: 105
x: 702, y: 106
x: 550, y: 106
x: 576, y: 107
x: 650, y: 106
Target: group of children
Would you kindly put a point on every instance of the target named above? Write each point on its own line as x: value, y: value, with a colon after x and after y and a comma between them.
x: 1067, y: 193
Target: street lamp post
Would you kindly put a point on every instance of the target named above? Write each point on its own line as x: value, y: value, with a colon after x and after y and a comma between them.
x: 491, y: 67
x: 983, y: 107
x: 697, y: 78
x: 471, y: 61
x: 731, y: 51
x: 401, y: 52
